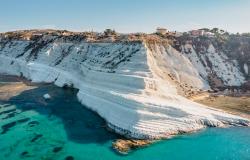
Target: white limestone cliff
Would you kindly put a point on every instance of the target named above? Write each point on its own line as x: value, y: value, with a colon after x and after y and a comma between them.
x: 132, y: 85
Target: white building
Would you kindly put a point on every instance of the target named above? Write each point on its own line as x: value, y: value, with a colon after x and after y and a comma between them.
x: 197, y: 32
x: 201, y: 32
x: 208, y: 34
x: 162, y: 31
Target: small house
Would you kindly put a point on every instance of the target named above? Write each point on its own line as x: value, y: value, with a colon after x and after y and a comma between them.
x: 197, y: 32
x: 161, y: 31
x: 201, y: 32
x: 209, y: 34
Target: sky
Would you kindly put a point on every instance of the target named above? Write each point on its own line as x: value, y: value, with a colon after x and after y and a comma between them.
x: 125, y: 15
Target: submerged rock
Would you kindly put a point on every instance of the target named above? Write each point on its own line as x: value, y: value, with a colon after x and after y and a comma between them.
x: 57, y: 149
x: 7, y: 127
x: 37, y: 136
x: 24, y: 153
x: 69, y: 158
x: 33, y: 123
x: 8, y: 111
x: 124, y: 146
x: 46, y: 96
x: 23, y: 120
x: 138, y: 87
x: 10, y: 115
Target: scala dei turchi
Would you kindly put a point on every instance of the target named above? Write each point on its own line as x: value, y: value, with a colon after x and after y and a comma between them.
x: 138, y: 83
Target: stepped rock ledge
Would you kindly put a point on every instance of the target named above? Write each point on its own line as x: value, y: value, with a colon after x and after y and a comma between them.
x: 133, y: 85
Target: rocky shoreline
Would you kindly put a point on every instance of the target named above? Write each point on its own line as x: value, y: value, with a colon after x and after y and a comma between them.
x: 123, y: 146
x: 13, y: 85
x: 130, y: 85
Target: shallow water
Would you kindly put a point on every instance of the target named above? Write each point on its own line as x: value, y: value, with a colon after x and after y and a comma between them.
x: 34, y: 128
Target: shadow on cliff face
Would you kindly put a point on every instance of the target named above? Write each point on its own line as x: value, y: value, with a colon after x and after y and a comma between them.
x: 81, y: 124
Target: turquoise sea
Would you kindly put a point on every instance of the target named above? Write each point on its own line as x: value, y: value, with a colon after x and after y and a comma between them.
x: 62, y: 129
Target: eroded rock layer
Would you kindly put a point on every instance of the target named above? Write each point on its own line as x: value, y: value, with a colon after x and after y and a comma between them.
x: 139, y: 87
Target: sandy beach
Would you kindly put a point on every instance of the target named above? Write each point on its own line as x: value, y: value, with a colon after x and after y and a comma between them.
x: 12, y: 85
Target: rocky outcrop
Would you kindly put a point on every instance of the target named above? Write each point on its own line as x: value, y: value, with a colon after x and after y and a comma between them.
x: 124, y: 146
x: 138, y: 87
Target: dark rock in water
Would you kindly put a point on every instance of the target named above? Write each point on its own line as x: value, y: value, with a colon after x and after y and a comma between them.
x: 24, y: 153
x: 36, y: 137
x: 6, y: 105
x: 8, y: 111
x: 6, y: 127
x: 23, y: 120
x: 10, y: 115
x: 57, y: 149
x: 69, y: 158
x: 33, y: 123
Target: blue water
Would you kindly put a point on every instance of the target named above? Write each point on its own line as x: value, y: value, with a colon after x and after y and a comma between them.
x: 61, y: 128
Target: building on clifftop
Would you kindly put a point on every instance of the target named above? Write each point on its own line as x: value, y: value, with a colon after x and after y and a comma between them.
x: 161, y: 31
